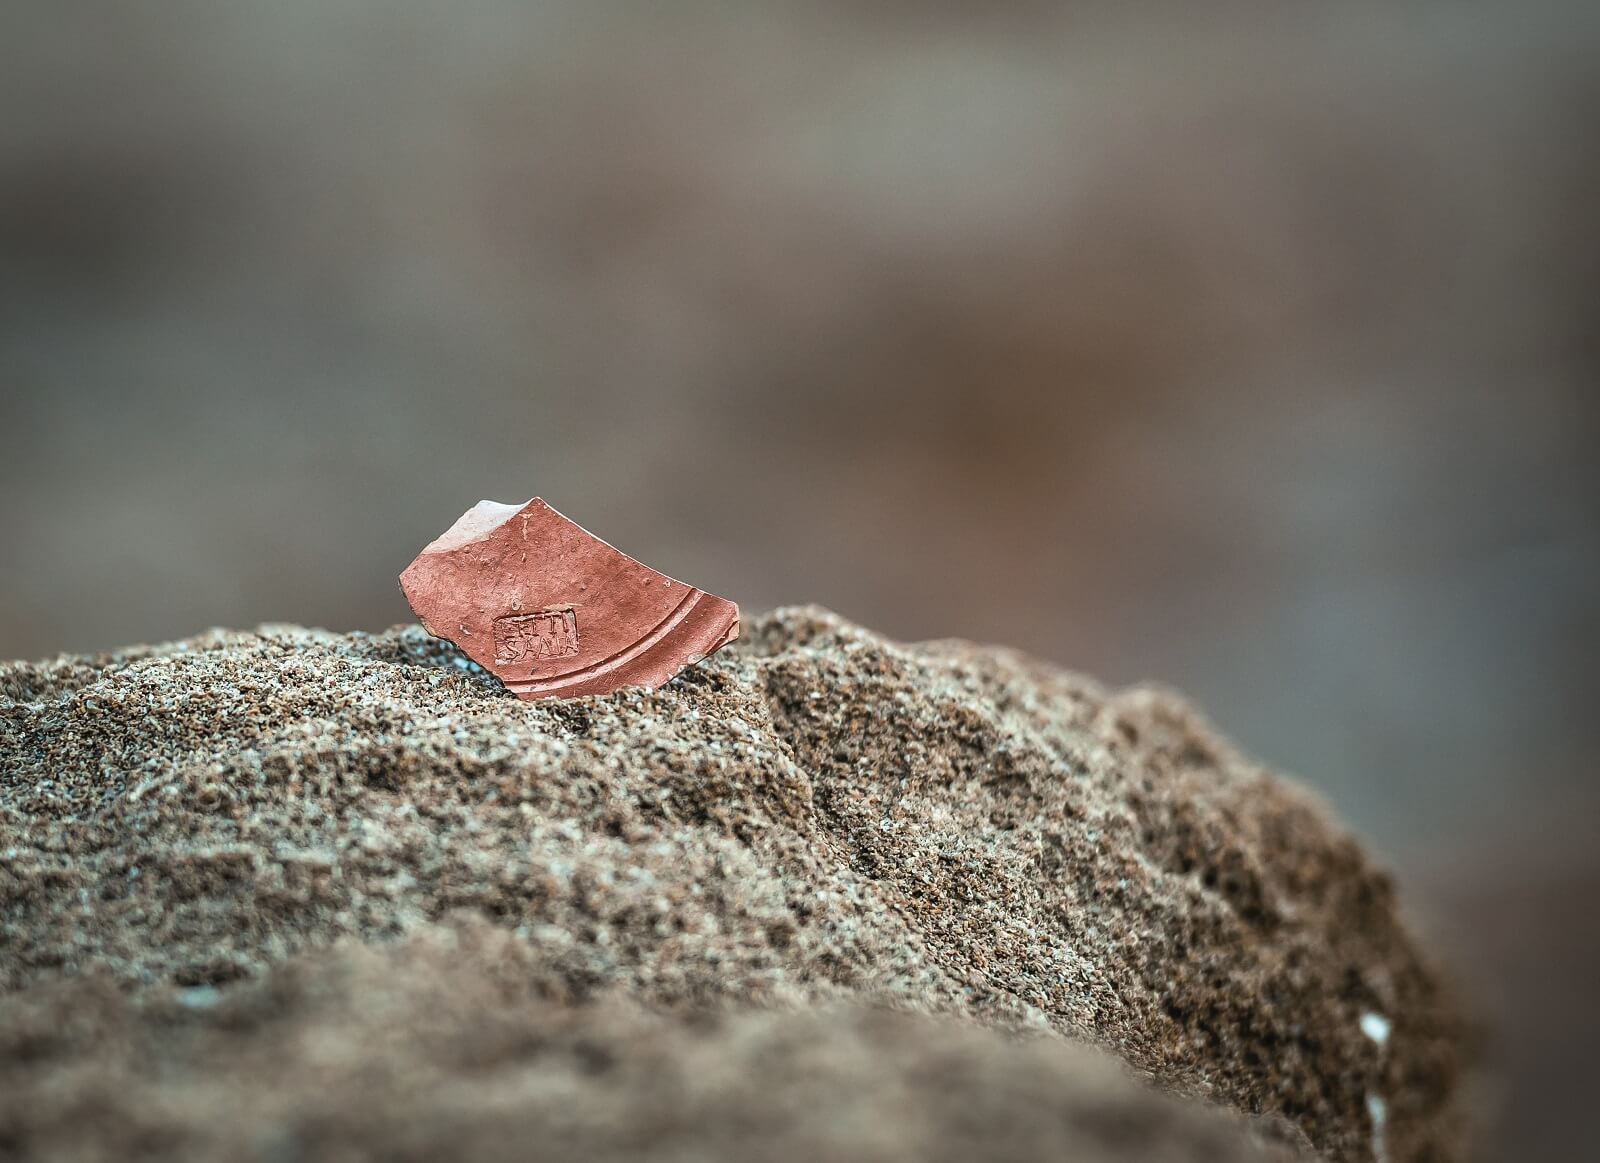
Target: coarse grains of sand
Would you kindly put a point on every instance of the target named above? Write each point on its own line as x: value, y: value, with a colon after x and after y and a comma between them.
x: 812, y: 818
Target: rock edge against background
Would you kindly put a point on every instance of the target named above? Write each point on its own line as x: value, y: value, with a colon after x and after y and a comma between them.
x: 813, y: 817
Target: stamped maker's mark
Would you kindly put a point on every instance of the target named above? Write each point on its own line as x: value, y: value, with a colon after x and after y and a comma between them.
x: 530, y: 638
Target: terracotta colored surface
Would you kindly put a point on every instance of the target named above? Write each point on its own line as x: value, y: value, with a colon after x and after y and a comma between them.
x: 555, y: 612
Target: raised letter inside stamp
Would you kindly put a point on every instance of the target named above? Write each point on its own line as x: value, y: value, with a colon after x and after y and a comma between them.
x: 531, y: 638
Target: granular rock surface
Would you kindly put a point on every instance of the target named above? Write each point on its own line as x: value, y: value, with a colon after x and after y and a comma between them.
x: 814, y: 818
x: 438, y: 1047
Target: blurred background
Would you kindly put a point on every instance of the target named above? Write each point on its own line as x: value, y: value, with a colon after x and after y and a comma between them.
x: 1250, y: 349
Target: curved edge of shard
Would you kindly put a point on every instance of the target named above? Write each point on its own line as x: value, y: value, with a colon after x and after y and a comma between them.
x: 555, y: 612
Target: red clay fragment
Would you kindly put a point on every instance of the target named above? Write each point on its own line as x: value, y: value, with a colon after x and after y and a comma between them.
x: 553, y: 611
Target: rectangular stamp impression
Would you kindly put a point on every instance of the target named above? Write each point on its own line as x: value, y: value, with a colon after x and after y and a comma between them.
x: 529, y: 638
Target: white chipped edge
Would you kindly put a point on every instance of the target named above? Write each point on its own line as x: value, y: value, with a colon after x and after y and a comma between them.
x: 474, y: 525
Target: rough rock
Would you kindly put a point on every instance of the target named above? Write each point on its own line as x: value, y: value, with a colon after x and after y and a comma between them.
x: 437, y: 1048
x: 813, y: 817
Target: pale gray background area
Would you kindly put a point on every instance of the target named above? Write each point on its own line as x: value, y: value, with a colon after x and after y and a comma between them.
x: 1252, y: 351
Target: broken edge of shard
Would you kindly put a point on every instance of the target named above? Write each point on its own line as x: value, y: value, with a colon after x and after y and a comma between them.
x: 555, y: 612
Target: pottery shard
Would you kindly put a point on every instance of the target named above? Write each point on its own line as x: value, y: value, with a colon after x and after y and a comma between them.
x: 555, y: 612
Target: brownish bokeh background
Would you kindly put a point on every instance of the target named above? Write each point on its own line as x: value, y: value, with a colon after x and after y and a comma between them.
x: 1253, y: 350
